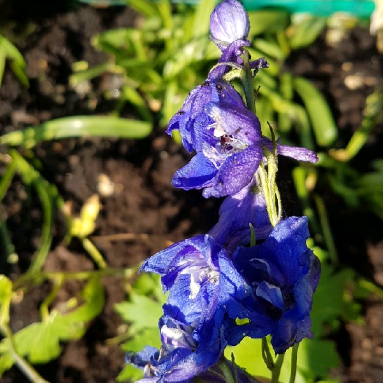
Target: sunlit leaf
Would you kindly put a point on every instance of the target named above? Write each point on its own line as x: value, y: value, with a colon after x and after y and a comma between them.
x: 248, y: 355
x: 5, y: 299
x: 146, y: 337
x: 18, y: 65
x: 130, y: 373
x: 325, y: 129
x: 306, y: 32
x: 331, y: 300
x: 79, y: 126
x: 40, y: 341
x: 141, y: 311
x: 267, y: 21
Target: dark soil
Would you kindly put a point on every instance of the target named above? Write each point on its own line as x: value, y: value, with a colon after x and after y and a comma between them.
x: 144, y: 202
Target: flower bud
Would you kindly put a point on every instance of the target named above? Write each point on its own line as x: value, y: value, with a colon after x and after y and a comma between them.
x: 229, y: 22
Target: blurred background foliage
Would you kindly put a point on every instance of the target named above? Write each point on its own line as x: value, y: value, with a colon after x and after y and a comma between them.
x: 154, y: 66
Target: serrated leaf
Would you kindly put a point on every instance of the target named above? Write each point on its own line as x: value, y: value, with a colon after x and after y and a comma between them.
x: 141, y: 311
x: 40, y: 342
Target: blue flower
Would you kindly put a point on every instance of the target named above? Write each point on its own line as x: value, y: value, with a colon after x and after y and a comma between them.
x: 204, y: 294
x: 282, y: 274
x: 229, y: 161
x: 203, y: 283
x: 179, y: 359
x: 236, y: 214
x: 193, y: 121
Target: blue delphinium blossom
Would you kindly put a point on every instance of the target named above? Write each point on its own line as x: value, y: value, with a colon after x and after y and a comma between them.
x: 220, y: 289
x: 204, y: 294
x: 283, y: 274
x: 202, y: 280
x: 231, y: 156
x: 227, y: 165
x: 236, y: 214
x: 193, y: 121
x: 182, y: 356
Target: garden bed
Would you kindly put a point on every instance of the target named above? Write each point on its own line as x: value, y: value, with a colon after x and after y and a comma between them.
x: 144, y: 213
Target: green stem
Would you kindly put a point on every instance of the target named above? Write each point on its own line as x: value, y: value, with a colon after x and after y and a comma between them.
x: 248, y: 82
x: 94, y: 253
x: 44, y: 308
x: 29, y: 279
x: 263, y: 178
x: 371, y: 286
x: 226, y: 371
x: 266, y: 355
x: 277, y: 369
x: 326, y: 230
x: 5, y: 239
x: 294, y: 359
x: 23, y: 365
x: 46, y: 231
x: 6, y: 178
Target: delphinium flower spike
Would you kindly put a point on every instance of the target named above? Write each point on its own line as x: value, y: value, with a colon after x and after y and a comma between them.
x: 252, y: 274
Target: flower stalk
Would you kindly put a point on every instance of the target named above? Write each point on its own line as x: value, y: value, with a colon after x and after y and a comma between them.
x: 252, y: 275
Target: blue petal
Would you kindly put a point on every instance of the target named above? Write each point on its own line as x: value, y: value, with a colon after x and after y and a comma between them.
x: 235, y: 173
x: 238, y: 122
x: 299, y: 154
x: 197, y: 174
x: 271, y: 293
x: 237, y: 212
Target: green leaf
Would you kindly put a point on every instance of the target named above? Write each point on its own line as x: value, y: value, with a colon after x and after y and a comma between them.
x: 192, y: 52
x: 306, y: 32
x: 146, y: 8
x: 40, y: 342
x: 267, y: 21
x: 80, y: 126
x: 141, y: 311
x: 7, y: 49
x: 202, y: 17
x: 146, y: 337
x: 315, y: 359
x: 325, y: 129
x: 48, y: 196
x: 5, y: 299
x: 6, y: 362
x: 130, y: 373
x: 149, y: 284
x: 265, y: 114
x: 269, y: 48
x: 332, y: 300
